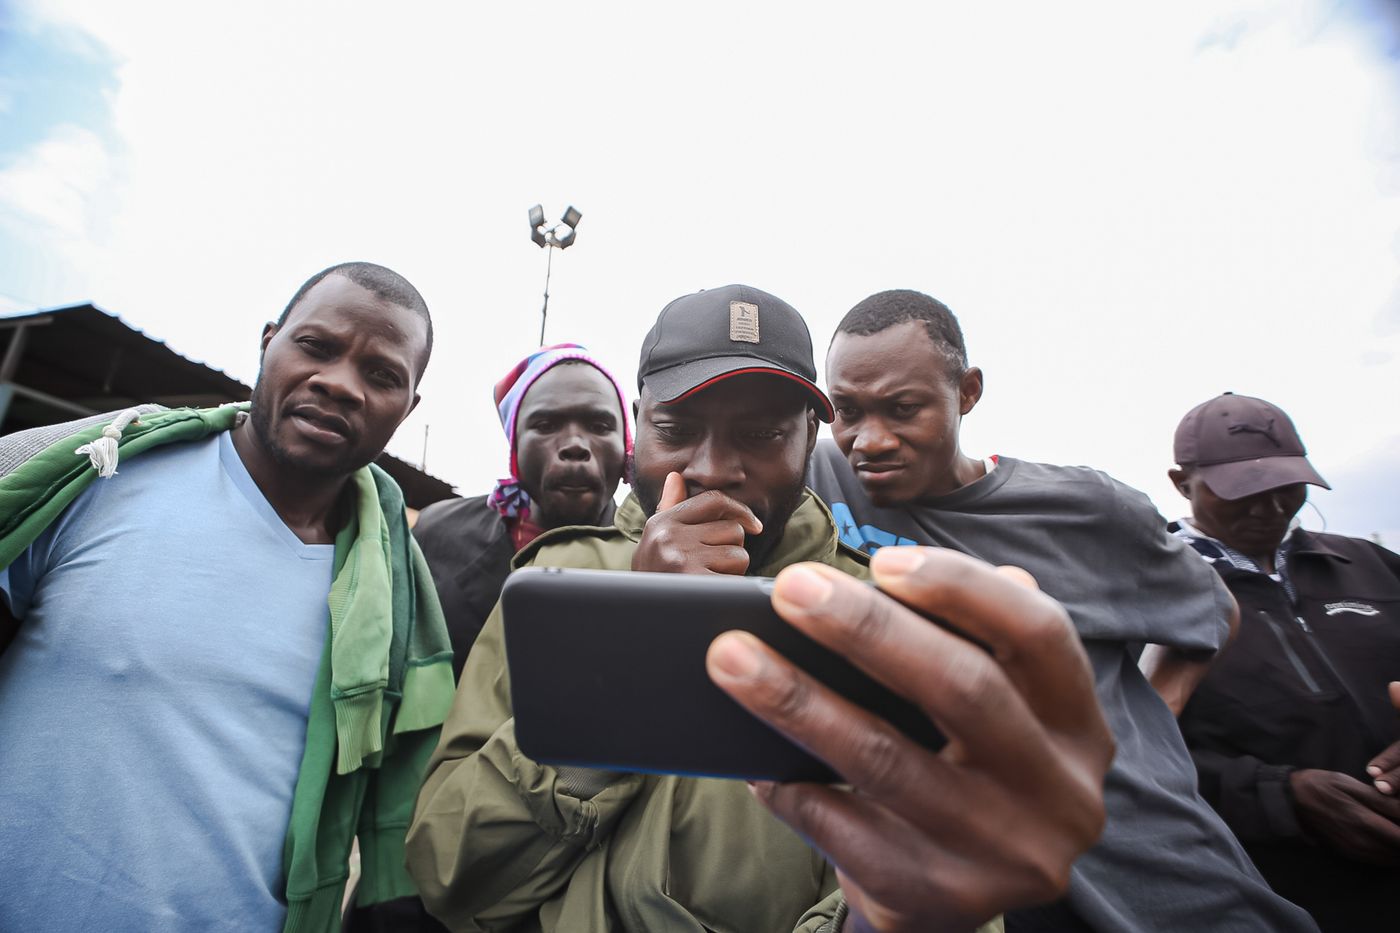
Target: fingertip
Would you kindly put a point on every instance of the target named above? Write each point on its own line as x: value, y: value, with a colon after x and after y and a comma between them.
x: 801, y: 587
x: 896, y: 561
x: 1385, y: 788
x: 1018, y: 575
x: 1373, y: 770
x: 733, y: 657
x: 763, y: 790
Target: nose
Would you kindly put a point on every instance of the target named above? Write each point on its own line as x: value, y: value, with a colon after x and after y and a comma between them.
x: 340, y: 381
x: 713, y: 464
x: 573, y: 447
x: 874, y: 440
x: 1267, y: 504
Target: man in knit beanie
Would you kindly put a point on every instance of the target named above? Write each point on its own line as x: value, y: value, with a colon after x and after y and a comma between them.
x: 565, y: 417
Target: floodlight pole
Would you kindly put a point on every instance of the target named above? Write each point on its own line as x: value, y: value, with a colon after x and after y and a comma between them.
x: 544, y: 311
x: 559, y: 236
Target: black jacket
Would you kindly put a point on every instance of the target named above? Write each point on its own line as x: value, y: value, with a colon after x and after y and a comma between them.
x: 1302, y: 686
x: 468, y: 549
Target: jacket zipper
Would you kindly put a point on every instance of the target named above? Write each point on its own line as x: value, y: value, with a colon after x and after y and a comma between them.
x: 1288, y: 651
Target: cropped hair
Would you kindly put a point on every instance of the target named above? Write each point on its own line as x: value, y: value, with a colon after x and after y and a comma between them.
x: 384, y: 282
x: 887, y: 309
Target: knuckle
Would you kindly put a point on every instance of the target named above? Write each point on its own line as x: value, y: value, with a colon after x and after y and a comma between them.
x: 807, y: 813
x: 1045, y: 874
x: 881, y: 759
x: 969, y: 679
x: 866, y: 616
x: 788, y: 697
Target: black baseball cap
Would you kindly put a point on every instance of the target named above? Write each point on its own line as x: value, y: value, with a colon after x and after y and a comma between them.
x: 1242, y: 445
x: 707, y: 337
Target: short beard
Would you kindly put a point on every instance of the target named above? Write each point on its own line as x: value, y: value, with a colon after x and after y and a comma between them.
x: 759, y: 546
x: 261, y: 420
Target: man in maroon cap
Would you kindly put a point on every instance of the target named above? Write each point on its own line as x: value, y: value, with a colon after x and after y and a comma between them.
x: 1294, y: 730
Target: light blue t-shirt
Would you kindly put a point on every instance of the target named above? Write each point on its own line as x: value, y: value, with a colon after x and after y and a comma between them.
x: 153, y: 706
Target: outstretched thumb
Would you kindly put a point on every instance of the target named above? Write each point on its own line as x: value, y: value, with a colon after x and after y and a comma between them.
x: 673, y: 493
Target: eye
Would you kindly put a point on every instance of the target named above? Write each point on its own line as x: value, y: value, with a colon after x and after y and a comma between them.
x: 673, y: 431
x: 314, y: 346
x: 847, y: 412
x: 907, y: 409
x: 387, y: 378
x: 764, y: 435
x: 602, y: 427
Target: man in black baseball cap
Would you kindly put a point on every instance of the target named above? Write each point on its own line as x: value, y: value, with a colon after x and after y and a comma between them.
x: 727, y: 418
x: 1294, y: 730
x: 728, y: 405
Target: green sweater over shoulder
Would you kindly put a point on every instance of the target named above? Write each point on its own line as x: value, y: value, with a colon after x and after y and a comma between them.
x: 385, y: 680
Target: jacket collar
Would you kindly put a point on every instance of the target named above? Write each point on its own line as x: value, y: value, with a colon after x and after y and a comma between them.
x: 1306, y: 542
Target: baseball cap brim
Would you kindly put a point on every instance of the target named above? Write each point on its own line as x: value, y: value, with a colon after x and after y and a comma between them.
x: 678, y: 382
x: 1247, y: 477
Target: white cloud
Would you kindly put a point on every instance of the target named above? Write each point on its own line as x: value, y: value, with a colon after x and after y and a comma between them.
x: 1126, y: 222
x: 52, y: 184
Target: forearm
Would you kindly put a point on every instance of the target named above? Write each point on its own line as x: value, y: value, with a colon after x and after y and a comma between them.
x: 496, y: 835
x: 1174, y: 674
x: 1252, y: 796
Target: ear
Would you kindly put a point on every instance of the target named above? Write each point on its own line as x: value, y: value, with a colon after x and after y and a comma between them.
x: 813, y: 426
x: 969, y: 389
x: 269, y: 331
x: 1181, y: 480
x: 636, y: 409
x: 416, y: 399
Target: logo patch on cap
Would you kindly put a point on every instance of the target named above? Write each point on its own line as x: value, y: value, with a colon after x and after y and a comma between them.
x: 743, y: 321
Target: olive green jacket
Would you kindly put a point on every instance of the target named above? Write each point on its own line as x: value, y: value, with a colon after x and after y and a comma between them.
x: 499, y: 843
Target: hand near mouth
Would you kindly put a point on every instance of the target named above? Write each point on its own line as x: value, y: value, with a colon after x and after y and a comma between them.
x: 704, y: 534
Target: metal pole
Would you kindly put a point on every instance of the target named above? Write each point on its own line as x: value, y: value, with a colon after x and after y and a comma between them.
x: 423, y: 464
x: 544, y: 312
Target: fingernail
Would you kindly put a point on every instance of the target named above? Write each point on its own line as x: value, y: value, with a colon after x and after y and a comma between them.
x: 1384, y: 787
x: 735, y: 657
x: 897, y: 561
x: 804, y: 587
x: 761, y: 789
x: 1374, y: 771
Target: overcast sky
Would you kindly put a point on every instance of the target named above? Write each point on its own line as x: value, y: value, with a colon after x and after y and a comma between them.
x: 1130, y: 208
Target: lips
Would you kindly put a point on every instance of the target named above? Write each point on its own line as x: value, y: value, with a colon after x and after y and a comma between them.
x: 878, y: 472
x: 321, y: 426
x: 573, y: 482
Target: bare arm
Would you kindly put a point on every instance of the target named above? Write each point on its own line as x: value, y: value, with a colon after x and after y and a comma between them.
x: 1175, y: 674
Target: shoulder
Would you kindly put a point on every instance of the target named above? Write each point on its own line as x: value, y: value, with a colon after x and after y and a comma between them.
x: 1358, y: 550
x: 451, y: 517
x: 1082, y: 490
x: 581, y: 546
x: 828, y: 472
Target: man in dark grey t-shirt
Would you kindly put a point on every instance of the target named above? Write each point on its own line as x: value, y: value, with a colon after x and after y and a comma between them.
x: 898, y: 377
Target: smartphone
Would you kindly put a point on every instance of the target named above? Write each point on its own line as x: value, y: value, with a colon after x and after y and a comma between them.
x: 607, y: 670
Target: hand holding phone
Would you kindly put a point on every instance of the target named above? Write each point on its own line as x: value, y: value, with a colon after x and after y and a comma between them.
x: 994, y: 821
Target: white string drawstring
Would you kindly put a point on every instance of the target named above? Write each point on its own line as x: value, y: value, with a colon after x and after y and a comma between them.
x: 103, y: 451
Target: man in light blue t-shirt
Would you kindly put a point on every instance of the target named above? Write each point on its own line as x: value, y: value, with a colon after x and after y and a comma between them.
x: 168, y: 631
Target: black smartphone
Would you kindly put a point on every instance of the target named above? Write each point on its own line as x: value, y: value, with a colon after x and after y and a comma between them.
x: 607, y: 670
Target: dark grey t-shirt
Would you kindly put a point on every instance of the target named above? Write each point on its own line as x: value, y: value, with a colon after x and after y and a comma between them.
x: 1166, y: 861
